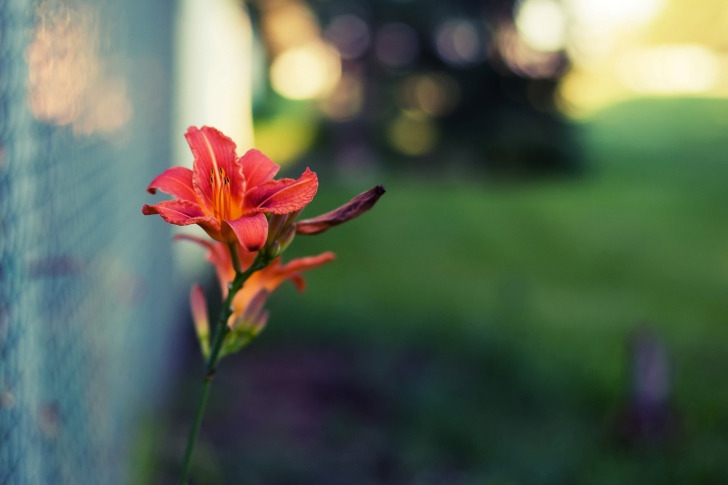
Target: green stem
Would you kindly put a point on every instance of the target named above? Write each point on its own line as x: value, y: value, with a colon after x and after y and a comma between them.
x: 195, y: 429
x: 235, y: 256
x: 220, y: 333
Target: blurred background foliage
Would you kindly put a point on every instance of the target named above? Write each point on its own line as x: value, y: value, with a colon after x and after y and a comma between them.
x: 540, y: 296
x: 569, y: 331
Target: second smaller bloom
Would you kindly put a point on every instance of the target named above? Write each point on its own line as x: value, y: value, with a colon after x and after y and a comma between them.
x: 249, y: 316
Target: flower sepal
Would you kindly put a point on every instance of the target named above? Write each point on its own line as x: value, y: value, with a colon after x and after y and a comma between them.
x: 240, y: 336
x: 234, y: 342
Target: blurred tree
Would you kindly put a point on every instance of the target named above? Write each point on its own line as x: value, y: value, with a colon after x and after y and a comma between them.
x: 445, y: 85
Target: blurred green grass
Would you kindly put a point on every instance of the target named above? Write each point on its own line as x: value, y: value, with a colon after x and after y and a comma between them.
x: 560, y: 272
x: 575, y: 262
x: 488, y: 321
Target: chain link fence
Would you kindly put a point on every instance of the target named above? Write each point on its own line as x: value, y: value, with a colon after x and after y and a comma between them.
x: 87, y: 297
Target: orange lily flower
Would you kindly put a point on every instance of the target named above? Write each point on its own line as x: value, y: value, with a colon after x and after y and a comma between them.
x: 225, y: 195
x: 248, y: 315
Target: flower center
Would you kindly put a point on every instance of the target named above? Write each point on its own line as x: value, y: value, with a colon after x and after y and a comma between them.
x: 221, y: 200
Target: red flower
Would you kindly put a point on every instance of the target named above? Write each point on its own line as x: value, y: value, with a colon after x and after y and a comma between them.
x: 225, y: 195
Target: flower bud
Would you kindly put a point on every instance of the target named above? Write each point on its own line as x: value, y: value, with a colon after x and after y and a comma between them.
x: 259, y: 323
x: 281, y: 231
x: 292, y: 217
x: 272, y: 250
x: 255, y: 308
x: 286, y: 237
x: 352, y: 209
x: 275, y: 224
x: 199, y: 317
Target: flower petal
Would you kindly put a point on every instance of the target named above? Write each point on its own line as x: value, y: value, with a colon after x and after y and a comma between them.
x: 177, y: 212
x: 298, y: 281
x: 352, y: 209
x: 250, y: 231
x: 184, y: 213
x: 210, y: 246
x: 293, y: 268
x: 283, y: 196
x: 254, y: 309
x: 215, y: 160
x: 200, y: 318
x: 257, y: 168
x: 217, y: 254
x: 246, y: 258
x: 270, y: 277
x: 175, y: 181
x: 260, y: 322
x: 275, y: 274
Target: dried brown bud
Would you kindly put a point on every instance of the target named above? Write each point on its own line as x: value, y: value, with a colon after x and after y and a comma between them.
x: 352, y: 209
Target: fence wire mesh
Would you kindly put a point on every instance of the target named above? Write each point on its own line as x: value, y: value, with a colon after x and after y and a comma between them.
x: 86, y: 289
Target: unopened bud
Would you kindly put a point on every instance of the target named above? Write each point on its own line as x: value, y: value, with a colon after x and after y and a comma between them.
x: 281, y: 230
x: 259, y: 324
x: 351, y: 210
x: 286, y: 237
x: 276, y: 223
x: 272, y: 250
x: 199, y: 317
x: 255, y: 306
x: 293, y: 216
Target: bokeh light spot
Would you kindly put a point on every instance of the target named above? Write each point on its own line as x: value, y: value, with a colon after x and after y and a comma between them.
x: 298, y: 133
x: 435, y: 94
x: 413, y: 135
x: 68, y: 84
x: 458, y: 42
x: 306, y: 72
x: 346, y: 101
x: 542, y: 24
x: 288, y: 25
x: 524, y: 60
x: 350, y: 34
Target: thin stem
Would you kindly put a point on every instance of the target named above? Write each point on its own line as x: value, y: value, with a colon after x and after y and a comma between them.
x: 195, y: 429
x: 233, y: 247
x: 220, y: 333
